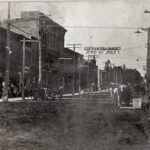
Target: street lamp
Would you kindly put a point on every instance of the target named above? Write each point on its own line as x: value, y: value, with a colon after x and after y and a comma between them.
x: 138, y: 31
x: 146, y: 11
x: 148, y: 58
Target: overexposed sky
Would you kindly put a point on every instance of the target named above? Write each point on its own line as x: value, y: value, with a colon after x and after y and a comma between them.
x: 114, y: 19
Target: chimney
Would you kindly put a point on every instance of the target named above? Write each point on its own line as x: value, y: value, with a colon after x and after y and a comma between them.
x: 30, y: 14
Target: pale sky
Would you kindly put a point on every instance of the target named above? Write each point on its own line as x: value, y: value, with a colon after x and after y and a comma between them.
x: 116, y: 16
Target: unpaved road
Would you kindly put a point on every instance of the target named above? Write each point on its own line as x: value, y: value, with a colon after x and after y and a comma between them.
x: 89, y: 124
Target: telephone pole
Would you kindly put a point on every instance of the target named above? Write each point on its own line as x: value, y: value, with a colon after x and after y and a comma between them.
x: 23, y: 66
x: 74, y: 46
x: 88, y: 73
x: 23, y: 63
x: 79, y: 74
x: 148, y: 62
x: 6, y: 86
x: 40, y: 54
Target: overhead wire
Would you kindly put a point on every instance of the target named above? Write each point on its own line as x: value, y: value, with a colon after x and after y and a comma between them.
x: 58, y: 1
x: 89, y: 27
x: 95, y: 27
x: 101, y: 27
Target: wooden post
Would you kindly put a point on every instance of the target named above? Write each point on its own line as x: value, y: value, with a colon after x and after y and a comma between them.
x: 6, y: 86
x: 23, y: 66
x: 40, y: 54
x: 79, y: 74
x: 148, y: 62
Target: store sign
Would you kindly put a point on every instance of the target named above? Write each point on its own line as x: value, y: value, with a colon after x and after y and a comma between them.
x: 101, y: 50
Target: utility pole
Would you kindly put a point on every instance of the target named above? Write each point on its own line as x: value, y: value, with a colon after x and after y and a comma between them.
x: 116, y: 79
x: 40, y: 54
x: 114, y: 75
x: 98, y: 75
x: 148, y: 62
x: 99, y: 82
x: 79, y: 75
x: 5, y: 92
x: 23, y: 62
x: 23, y: 66
x: 88, y: 75
x: 74, y: 46
x: 148, y: 58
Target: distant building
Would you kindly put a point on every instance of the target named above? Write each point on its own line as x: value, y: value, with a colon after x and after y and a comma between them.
x: 89, y: 75
x: 93, y: 73
x: 102, y: 78
x: 118, y: 75
x: 72, y: 67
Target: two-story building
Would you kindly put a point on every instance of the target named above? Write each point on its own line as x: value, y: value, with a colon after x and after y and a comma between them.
x: 72, y: 70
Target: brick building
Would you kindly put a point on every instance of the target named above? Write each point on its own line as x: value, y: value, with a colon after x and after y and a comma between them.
x: 15, y: 57
x: 72, y: 67
x: 93, y: 73
x: 52, y: 44
x: 85, y: 72
x: 89, y: 75
x: 55, y: 71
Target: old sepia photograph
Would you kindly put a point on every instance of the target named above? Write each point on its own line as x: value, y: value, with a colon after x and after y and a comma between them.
x: 75, y: 75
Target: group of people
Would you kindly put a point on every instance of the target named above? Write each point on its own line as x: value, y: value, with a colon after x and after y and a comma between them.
x: 14, y: 91
x: 115, y: 95
x: 92, y: 88
x: 123, y: 94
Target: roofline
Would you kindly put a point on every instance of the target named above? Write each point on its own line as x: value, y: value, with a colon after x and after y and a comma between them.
x: 66, y: 48
x: 21, y: 35
x: 19, y: 19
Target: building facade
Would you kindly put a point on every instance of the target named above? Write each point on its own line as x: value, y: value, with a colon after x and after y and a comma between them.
x: 89, y: 75
x: 60, y: 66
x: 119, y: 75
x: 51, y: 36
x: 15, y: 60
x: 72, y: 70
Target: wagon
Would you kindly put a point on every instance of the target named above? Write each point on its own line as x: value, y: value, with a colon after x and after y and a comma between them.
x: 45, y: 94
